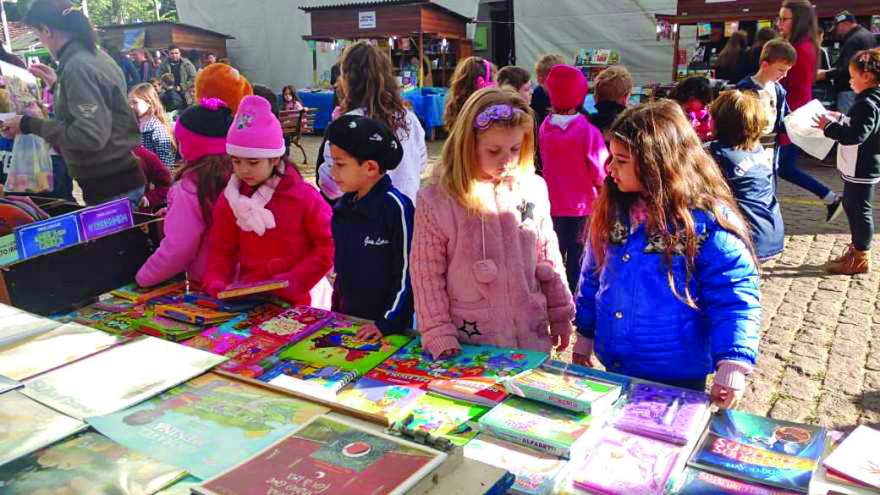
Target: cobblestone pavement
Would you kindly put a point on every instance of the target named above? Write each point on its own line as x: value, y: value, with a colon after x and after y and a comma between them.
x: 820, y: 344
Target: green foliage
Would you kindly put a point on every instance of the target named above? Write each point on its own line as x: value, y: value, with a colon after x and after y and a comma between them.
x: 107, y: 12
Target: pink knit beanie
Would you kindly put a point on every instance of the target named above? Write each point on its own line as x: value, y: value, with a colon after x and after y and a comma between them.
x: 255, y: 132
x: 201, y: 130
x: 567, y: 87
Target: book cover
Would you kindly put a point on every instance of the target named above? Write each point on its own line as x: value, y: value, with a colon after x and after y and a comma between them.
x: 168, y: 329
x: 556, y: 366
x: 7, y: 384
x: 253, y: 349
x: 697, y: 482
x: 255, y: 316
x: 537, y: 425
x: 119, y: 377
x: 193, y: 313
x: 858, y: 457
x: 535, y: 471
x: 231, y: 306
x: 441, y: 417
x: 208, y: 424
x: 622, y: 463
x: 26, y: 426
x: 91, y: 315
x: 241, y: 289
x: 667, y: 413
x: 328, y: 455
x: 123, y: 324
x: 339, y: 347
x: 138, y: 294
x: 319, y: 381
x: 380, y: 398
x: 761, y: 450
x: 564, y: 390
x: 115, y: 304
x: 295, y: 323
x: 17, y: 325
x: 87, y: 463
x: 216, y: 340
x: 479, y: 390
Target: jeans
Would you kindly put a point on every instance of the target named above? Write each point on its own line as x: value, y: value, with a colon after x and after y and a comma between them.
x: 135, y: 196
x: 860, y: 212
x: 845, y: 100
x: 789, y: 171
x: 570, y: 233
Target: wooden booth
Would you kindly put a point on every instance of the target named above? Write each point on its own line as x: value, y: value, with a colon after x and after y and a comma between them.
x: 162, y: 34
x: 409, y: 29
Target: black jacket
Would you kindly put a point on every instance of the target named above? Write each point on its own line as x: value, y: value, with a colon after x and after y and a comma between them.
x: 856, y: 40
x: 606, y: 113
x: 858, y: 159
x: 373, y: 237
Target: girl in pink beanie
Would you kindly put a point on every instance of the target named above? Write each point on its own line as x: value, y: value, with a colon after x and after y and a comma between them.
x: 268, y: 221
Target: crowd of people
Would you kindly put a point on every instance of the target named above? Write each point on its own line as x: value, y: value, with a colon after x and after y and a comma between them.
x: 642, y: 231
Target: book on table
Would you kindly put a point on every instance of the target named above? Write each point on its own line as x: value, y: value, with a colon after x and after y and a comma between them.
x: 565, y: 390
x: 323, y: 382
x: 857, y: 458
x: 535, y: 471
x: 27, y: 425
x: 242, y: 289
x: 666, y: 413
x: 193, y: 313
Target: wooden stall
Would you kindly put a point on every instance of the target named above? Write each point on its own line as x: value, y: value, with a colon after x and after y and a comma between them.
x: 162, y: 34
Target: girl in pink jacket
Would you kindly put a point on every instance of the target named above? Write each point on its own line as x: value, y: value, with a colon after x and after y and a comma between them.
x: 201, y: 135
x: 485, y: 263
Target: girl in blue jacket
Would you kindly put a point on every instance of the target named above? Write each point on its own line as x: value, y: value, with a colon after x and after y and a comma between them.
x: 669, y: 289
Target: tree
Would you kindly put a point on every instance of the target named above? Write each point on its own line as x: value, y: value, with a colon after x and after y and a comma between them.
x: 106, y: 12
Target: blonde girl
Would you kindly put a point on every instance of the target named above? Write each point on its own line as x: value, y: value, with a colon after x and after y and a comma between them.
x: 157, y: 134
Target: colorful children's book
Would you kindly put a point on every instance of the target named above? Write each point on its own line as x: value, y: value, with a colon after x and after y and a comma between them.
x: 379, y: 398
x: 535, y: 471
x: 241, y: 289
x: 193, y: 313
x: 329, y: 455
x: 208, y: 424
x: 761, y: 450
x: 119, y: 377
x: 698, y: 482
x: 667, y: 413
x: 556, y: 366
x: 52, y: 349
x: 339, y: 347
x: 115, y: 304
x: 140, y: 295
x: 441, y: 417
x: 858, y: 457
x: 91, y: 315
x: 87, y: 463
x: 252, y: 350
x: 26, y: 426
x: 253, y: 317
x: 567, y: 391
x: 124, y: 324
x: 216, y: 340
x: 168, y: 329
x: 537, y: 425
x: 622, y: 463
x: 479, y: 390
x: 294, y: 324
x: 231, y: 306
x: 322, y: 382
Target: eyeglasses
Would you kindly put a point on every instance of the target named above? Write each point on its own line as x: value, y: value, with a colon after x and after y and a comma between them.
x: 783, y: 19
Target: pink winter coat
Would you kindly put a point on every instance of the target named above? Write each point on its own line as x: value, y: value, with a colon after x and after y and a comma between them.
x: 573, y: 154
x: 518, y: 304
x: 184, y: 248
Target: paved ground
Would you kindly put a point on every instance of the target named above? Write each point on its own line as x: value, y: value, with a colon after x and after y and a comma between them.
x: 820, y: 345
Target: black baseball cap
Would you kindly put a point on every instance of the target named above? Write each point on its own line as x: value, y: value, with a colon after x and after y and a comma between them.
x: 366, y: 139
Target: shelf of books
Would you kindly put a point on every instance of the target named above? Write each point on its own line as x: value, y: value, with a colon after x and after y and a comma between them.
x: 168, y: 391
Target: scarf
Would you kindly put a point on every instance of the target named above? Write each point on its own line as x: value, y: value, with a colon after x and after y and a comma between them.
x: 250, y: 213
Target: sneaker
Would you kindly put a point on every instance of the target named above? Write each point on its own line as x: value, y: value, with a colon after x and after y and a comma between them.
x: 834, y: 209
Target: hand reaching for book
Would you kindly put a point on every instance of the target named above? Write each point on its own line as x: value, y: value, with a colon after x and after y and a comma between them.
x: 583, y: 352
x: 725, y: 397
x: 368, y: 333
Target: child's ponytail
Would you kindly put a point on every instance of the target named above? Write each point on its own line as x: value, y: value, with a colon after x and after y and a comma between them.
x: 867, y: 61
x: 62, y: 15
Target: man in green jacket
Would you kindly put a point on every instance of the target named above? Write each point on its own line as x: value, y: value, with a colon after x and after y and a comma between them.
x: 183, y: 71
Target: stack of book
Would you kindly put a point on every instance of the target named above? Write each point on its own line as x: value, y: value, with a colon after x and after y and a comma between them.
x: 853, y: 464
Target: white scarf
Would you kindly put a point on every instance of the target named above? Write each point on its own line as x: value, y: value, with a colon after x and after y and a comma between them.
x: 250, y: 213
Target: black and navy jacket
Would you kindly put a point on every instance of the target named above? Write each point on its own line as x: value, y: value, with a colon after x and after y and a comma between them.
x: 373, y: 237
x: 858, y: 135
x: 782, y: 110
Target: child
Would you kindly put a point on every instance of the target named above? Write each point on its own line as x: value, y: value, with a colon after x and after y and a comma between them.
x: 470, y: 74
x: 485, y: 264
x: 201, y: 132
x: 670, y: 286
x: 171, y: 98
x: 158, y: 180
x: 289, y: 101
x: 540, y: 100
x: 517, y: 79
x: 156, y: 133
x: 268, y: 220
x: 369, y: 89
x: 372, y: 227
x: 612, y: 90
x: 858, y: 159
x: 694, y: 94
x: 739, y: 122
x: 573, y: 153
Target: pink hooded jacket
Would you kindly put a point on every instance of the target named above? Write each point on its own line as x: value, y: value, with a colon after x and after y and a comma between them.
x: 495, y: 279
x: 573, y: 154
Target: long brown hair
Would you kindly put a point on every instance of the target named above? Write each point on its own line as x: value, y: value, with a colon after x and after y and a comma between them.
x: 370, y: 84
x: 210, y: 175
x: 804, y: 23
x: 677, y: 176
x: 733, y: 50
x: 146, y: 92
x: 463, y: 85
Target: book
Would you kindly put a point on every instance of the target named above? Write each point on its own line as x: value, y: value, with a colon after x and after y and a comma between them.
x: 451, y: 420
x: 231, y: 306
x: 250, y: 351
x: 193, y: 313
x: 622, y: 463
x: 322, y: 382
x: 556, y: 366
x: 824, y: 480
x: 537, y: 425
x: 16, y: 326
x: 91, y: 315
x: 339, y: 347
x: 535, y: 471
x: 671, y: 414
x: 379, y: 398
x: 166, y: 328
x: 241, y: 289
x: 255, y: 316
x: 697, y: 482
x: 329, y: 455
x: 216, y: 340
x: 567, y: 391
x: 207, y: 424
x: 479, y: 390
x: 7, y: 384
x: 53, y: 349
x: 140, y: 295
x: 119, y: 377
x: 760, y: 450
x: 858, y: 457
x: 295, y: 323
x: 87, y: 463
x: 27, y: 425
x: 114, y: 304
x: 183, y: 486
x: 123, y: 324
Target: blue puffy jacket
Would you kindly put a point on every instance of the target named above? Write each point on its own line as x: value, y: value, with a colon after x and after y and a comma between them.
x: 639, y: 326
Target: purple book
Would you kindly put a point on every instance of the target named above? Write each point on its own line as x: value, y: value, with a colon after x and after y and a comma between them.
x: 625, y: 464
x: 667, y: 413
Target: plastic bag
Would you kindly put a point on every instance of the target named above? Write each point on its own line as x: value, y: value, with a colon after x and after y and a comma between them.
x: 31, y: 168
x: 799, y: 126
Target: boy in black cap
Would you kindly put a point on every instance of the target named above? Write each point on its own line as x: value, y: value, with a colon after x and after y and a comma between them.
x: 372, y: 227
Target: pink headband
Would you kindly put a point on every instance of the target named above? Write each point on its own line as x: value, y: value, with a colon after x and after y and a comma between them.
x: 486, y: 82
x: 495, y: 113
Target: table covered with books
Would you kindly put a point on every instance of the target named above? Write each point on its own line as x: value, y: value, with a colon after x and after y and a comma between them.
x: 166, y: 390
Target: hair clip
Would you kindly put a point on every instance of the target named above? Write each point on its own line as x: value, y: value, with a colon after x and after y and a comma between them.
x: 495, y: 113
x: 71, y: 9
x: 212, y: 103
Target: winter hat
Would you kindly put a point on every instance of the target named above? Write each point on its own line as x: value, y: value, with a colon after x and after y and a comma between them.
x: 567, y: 87
x: 366, y: 139
x: 255, y: 132
x: 201, y: 130
x: 223, y: 82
